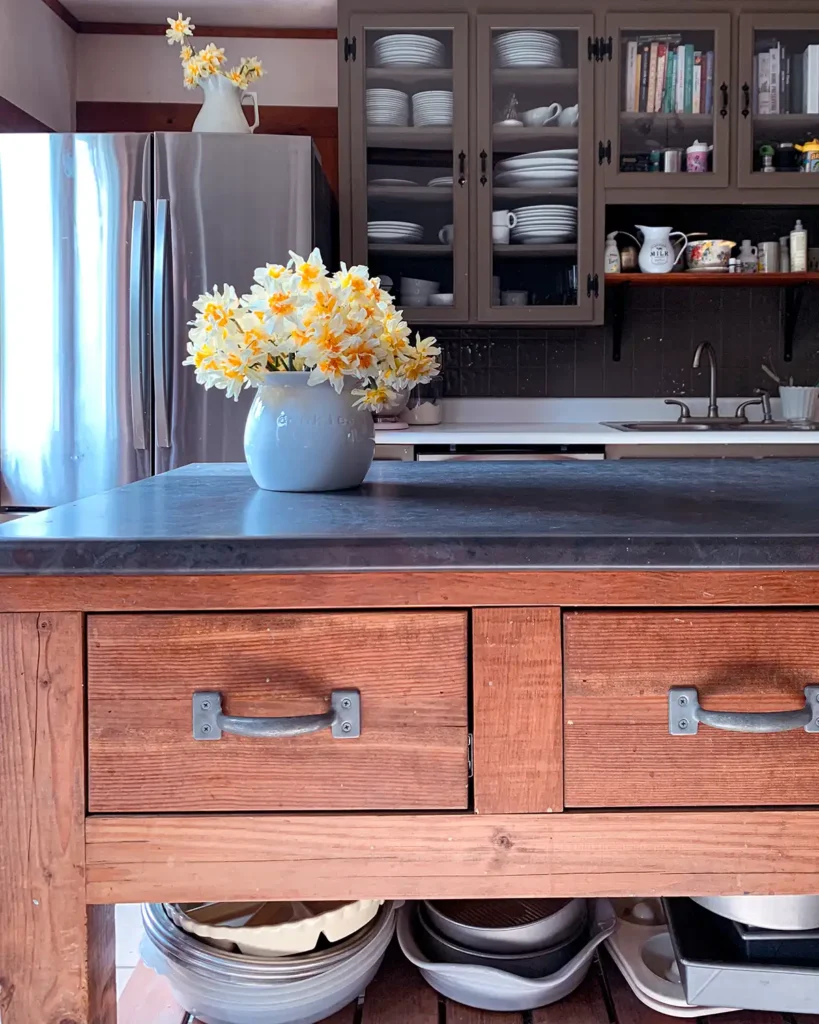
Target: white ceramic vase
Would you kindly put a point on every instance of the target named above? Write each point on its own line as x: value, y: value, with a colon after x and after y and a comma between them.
x: 222, y: 108
x: 302, y: 438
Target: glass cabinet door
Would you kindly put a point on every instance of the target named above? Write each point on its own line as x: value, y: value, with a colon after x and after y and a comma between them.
x: 779, y: 87
x: 668, y: 101
x: 409, y: 134
x: 535, y: 178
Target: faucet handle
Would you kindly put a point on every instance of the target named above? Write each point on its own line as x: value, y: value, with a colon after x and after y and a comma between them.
x: 685, y: 412
x: 765, y: 401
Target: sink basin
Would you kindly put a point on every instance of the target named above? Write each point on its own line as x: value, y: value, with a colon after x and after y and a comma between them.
x: 672, y: 427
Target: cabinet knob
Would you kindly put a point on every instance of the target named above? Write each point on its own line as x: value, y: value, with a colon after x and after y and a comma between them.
x: 723, y: 112
x: 746, y: 99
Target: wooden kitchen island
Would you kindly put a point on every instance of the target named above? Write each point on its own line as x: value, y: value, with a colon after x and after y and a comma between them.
x: 508, y: 633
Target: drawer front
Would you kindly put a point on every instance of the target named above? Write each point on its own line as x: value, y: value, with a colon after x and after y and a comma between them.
x: 410, y: 669
x: 618, y: 669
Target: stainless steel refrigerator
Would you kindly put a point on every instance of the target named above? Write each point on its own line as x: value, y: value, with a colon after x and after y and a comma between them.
x: 105, y: 242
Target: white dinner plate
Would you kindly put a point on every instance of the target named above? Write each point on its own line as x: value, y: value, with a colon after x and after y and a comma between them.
x: 441, y: 182
x: 392, y: 181
x: 549, y: 179
x: 525, y: 161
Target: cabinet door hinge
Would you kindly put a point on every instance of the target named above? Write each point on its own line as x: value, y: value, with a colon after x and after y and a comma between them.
x: 470, y: 756
x: 349, y: 48
x: 604, y: 151
x: 594, y: 48
x: 605, y: 48
x: 592, y: 286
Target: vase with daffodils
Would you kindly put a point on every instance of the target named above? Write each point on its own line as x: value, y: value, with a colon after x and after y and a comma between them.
x: 325, y: 352
x: 224, y: 89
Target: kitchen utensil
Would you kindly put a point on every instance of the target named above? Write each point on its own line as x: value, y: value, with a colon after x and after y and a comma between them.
x: 798, y: 406
x: 768, y: 258
x: 432, y: 107
x: 394, y: 231
x: 387, y: 107
x: 672, y: 160
x: 748, y: 256
x: 273, y: 929
x: 541, y: 116
x: 446, y: 234
x: 500, y: 234
x: 696, y: 157
x: 442, y: 299
x: 715, y: 968
x: 554, y: 178
x: 711, y: 254
x: 504, y: 218
x: 535, y: 964
x: 514, y: 298
x: 569, y: 116
x: 490, y: 989
x: 513, y: 926
x: 657, y: 254
x: 527, y: 48
x: 230, y: 988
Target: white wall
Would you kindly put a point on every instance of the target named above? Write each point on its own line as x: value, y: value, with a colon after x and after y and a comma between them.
x: 144, y: 69
x: 37, y: 60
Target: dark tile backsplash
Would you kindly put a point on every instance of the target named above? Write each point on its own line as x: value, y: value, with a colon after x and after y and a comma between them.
x: 661, y: 329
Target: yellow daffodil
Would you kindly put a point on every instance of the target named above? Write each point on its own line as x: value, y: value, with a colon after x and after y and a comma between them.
x: 179, y: 28
x: 217, y: 307
x: 251, y: 68
x: 186, y: 53
x: 236, y: 76
x: 309, y: 273
x: 375, y: 398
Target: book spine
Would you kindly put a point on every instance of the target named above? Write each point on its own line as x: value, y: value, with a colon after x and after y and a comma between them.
x: 709, y: 82
x: 662, y: 57
x: 764, y: 83
x: 679, y: 92
x: 773, y: 79
x: 652, y: 77
x: 784, y: 80
x: 670, y: 82
x: 797, y: 106
x: 812, y: 79
x: 645, y: 55
x: 631, y: 60
x: 689, y: 78
x: 696, y: 84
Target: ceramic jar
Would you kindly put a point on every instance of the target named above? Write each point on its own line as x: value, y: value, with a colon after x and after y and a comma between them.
x: 696, y: 158
x: 222, y: 108
x: 657, y: 253
x: 302, y: 438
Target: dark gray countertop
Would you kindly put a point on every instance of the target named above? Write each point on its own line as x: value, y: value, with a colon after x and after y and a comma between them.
x: 686, y: 513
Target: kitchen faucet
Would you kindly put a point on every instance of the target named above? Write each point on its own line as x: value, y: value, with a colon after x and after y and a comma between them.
x: 707, y: 347
x: 713, y: 416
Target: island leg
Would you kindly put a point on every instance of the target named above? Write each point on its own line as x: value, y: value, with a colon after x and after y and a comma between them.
x: 56, y: 955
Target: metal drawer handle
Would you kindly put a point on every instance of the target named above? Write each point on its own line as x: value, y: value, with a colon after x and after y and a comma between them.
x: 343, y: 718
x: 685, y: 715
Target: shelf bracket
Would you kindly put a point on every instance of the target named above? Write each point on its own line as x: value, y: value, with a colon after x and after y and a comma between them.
x: 790, y: 306
x: 617, y: 298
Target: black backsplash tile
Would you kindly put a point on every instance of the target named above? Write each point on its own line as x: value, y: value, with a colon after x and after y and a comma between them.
x: 661, y: 329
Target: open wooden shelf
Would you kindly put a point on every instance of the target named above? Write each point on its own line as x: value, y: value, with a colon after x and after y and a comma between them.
x: 718, y: 280
x: 407, y: 76
x: 535, y: 76
x: 502, y: 192
x: 393, y: 137
x: 399, y: 995
x: 410, y: 248
x: 509, y: 138
x: 413, y: 193
x: 527, y: 251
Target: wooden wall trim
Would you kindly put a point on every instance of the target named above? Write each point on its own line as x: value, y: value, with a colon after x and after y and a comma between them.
x: 106, y: 28
x: 94, y: 116
x: 63, y: 14
x: 410, y: 856
x: 348, y: 590
x: 14, y: 119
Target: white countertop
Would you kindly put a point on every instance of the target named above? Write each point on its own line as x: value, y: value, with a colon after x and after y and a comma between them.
x: 521, y: 421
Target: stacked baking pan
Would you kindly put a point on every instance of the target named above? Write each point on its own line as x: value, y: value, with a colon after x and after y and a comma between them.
x: 508, y: 955
x: 213, y: 979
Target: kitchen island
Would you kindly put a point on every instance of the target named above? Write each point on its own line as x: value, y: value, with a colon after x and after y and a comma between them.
x: 511, y: 642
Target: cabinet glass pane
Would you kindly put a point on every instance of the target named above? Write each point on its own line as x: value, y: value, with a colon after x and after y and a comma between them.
x: 669, y: 99
x: 408, y: 115
x: 535, y: 166
x: 784, y: 100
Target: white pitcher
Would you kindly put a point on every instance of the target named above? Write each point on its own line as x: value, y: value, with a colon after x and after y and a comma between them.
x: 657, y: 254
x: 222, y: 109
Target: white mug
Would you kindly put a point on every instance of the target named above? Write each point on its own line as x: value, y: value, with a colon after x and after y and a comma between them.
x: 503, y: 218
x: 446, y: 234
x: 514, y: 298
x: 768, y: 257
x: 500, y: 234
x: 553, y: 115
x: 568, y: 117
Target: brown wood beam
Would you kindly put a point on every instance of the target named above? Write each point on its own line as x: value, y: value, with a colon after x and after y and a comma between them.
x: 320, y: 122
x: 13, y: 119
x: 106, y: 28
x: 63, y: 13
x: 166, y: 858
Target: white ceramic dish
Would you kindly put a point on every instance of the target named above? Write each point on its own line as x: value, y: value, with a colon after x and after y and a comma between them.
x: 487, y: 988
x: 550, y: 179
x: 538, y: 156
x: 278, y: 929
x: 442, y: 299
x: 394, y: 182
x: 442, y: 182
x: 418, y: 286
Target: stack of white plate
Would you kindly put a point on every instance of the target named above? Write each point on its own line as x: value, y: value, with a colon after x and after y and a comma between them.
x: 394, y: 231
x: 433, y: 107
x: 387, y: 107
x: 544, y: 225
x: 528, y: 48
x: 409, y: 50
x: 555, y: 168
x: 445, y: 181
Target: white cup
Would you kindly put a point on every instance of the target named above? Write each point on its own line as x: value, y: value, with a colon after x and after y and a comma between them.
x: 446, y: 234
x: 503, y: 218
x: 500, y: 234
x: 768, y: 257
x: 568, y: 117
x: 514, y: 298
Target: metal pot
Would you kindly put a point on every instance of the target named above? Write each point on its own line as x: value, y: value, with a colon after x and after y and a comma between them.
x: 507, y: 926
x: 780, y: 913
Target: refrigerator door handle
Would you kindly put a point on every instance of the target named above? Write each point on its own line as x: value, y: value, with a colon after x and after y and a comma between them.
x: 163, y: 431
x: 136, y: 324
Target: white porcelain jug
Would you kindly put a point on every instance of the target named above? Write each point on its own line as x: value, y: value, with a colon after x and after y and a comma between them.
x: 657, y: 254
x: 222, y: 109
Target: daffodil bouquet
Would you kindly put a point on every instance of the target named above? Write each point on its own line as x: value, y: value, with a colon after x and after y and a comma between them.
x: 197, y: 66
x: 298, y: 317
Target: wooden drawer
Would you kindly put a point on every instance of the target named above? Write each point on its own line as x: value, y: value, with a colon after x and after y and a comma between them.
x: 618, y: 668
x: 409, y: 667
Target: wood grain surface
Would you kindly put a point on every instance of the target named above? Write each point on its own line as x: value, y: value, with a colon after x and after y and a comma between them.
x: 460, y: 589
x: 517, y: 695
x: 236, y: 857
x: 410, y: 668
x: 619, y: 667
x: 47, y: 975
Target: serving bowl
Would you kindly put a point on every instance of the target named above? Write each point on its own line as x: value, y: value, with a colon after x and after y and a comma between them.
x: 709, y: 254
x: 507, y: 926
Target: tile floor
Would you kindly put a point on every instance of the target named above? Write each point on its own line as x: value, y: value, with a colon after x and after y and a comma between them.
x: 129, y: 934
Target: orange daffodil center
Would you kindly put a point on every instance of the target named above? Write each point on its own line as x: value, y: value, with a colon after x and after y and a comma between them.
x: 299, y: 317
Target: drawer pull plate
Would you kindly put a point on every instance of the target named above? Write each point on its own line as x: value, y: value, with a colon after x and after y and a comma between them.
x: 685, y: 715
x: 343, y: 719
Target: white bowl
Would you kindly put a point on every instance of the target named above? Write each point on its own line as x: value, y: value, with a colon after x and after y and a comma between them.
x: 418, y: 286
x: 413, y: 301
x: 442, y: 299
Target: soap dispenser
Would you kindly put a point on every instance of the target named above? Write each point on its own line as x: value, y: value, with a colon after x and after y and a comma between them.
x: 799, y: 249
